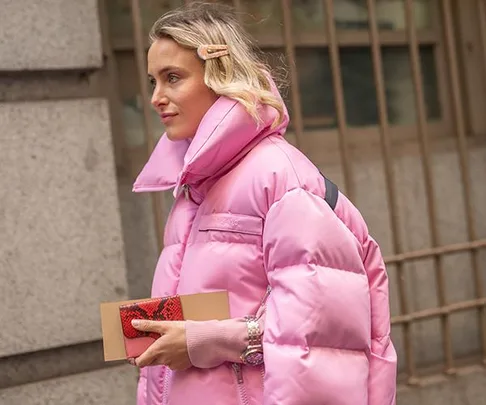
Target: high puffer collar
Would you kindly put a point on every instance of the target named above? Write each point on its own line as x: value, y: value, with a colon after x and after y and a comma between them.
x: 226, y: 133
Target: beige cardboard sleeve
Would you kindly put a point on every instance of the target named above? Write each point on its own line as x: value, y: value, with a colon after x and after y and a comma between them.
x: 195, y: 307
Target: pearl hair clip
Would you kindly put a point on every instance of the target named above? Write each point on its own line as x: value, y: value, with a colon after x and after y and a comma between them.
x: 206, y: 52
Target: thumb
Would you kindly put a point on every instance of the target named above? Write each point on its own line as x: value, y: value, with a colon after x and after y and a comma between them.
x: 149, y: 326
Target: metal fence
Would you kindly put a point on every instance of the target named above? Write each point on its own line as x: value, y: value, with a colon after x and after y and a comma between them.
x: 334, y: 39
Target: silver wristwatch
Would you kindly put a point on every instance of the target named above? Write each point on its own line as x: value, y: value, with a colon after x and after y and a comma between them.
x: 253, y: 354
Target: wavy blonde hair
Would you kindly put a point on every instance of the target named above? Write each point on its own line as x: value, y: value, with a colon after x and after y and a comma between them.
x: 242, y: 75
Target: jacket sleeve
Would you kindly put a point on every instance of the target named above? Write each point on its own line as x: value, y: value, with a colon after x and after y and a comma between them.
x: 317, y: 326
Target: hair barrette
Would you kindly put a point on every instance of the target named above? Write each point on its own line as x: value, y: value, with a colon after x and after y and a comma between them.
x: 206, y: 52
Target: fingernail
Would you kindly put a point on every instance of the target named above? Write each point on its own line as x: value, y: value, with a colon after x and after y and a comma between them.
x: 135, y: 322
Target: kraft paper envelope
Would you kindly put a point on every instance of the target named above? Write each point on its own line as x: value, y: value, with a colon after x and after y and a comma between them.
x: 195, y: 307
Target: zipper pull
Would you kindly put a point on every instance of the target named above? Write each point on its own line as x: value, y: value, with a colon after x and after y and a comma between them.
x: 263, y: 304
x: 239, y: 374
x: 267, y: 293
x: 185, y: 189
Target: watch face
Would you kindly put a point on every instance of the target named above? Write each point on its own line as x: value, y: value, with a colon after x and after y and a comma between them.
x: 254, y: 357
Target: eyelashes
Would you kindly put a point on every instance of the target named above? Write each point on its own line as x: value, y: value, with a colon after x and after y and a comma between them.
x: 171, y: 78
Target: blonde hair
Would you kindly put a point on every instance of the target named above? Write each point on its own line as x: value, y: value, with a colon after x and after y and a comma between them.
x: 241, y: 75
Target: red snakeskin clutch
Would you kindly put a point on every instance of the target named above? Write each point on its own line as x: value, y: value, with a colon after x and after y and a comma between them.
x: 157, y: 309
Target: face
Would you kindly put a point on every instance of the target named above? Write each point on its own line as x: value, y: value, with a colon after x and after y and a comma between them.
x: 180, y: 96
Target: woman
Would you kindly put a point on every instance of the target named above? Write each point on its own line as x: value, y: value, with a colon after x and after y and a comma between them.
x: 307, y: 284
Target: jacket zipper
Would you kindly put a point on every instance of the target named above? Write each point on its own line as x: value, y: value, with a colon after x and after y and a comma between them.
x: 237, y: 367
x: 265, y: 297
x: 261, y: 311
x: 165, y: 386
x: 240, y: 384
x: 262, y: 371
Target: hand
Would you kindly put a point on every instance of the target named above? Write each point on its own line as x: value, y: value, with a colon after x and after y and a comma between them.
x: 169, y: 350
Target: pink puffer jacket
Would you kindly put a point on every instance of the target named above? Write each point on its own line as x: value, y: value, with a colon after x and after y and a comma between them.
x: 250, y: 213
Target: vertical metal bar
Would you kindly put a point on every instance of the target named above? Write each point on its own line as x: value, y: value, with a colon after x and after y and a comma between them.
x: 390, y: 183
x: 482, y: 29
x: 157, y: 201
x: 113, y: 85
x: 297, y: 120
x: 460, y: 128
x: 238, y: 8
x: 429, y: 184
x: 339, y: 97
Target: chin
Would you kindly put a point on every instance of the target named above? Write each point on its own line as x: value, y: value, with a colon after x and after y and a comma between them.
x: 177, y: 136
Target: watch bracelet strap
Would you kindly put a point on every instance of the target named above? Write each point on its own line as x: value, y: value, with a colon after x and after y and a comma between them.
x: 254, y: 333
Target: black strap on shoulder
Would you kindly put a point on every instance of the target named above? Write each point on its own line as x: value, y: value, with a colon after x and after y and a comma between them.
x: 332, y: 192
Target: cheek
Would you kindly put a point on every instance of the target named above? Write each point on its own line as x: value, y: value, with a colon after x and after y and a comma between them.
x: 192, y: 104
x: 206, y: 100
x: 199, y: 102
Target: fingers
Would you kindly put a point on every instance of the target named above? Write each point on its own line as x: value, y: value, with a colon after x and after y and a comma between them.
x: 149, y: 326
x: 148, y: 357
x: 131, y: 361
x: 170, y: 349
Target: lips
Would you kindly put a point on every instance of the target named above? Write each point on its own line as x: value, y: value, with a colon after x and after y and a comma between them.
x: 167, y: 117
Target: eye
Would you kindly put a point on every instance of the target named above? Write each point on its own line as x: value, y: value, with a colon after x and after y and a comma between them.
x: 172, y: 78
x: 152, y: 82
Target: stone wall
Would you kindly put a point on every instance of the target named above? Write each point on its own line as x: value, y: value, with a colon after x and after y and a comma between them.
x: 61, y: 239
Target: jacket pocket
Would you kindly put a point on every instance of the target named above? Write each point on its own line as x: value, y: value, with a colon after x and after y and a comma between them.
x: 236, y: 223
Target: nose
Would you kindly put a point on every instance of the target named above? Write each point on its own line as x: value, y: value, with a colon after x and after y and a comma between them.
x: 158, y: 98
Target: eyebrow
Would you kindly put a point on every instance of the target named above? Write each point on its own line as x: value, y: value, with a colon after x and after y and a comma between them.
x: 166, y: 69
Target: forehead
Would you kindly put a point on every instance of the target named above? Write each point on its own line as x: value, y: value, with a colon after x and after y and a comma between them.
x: 165, y: 52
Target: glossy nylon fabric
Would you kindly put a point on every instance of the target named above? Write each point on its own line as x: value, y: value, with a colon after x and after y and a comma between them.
x: 256, y: 216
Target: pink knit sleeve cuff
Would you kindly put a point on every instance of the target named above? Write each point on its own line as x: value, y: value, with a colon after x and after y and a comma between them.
x: 211, y: 343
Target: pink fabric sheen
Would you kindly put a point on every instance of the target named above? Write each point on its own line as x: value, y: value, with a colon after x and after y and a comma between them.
x: 256, y: 217
x: 142, y: 387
